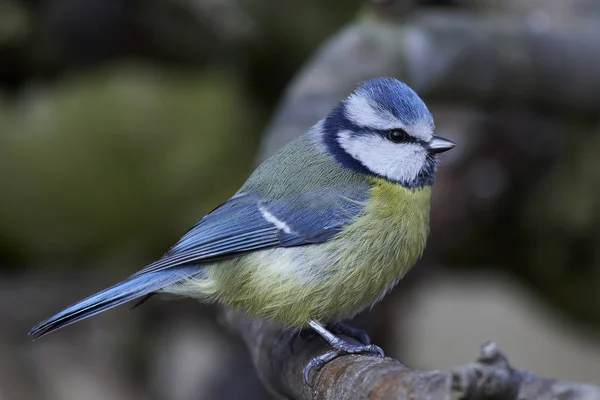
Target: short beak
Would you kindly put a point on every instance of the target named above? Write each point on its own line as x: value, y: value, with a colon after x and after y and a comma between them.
x: 440, y: 145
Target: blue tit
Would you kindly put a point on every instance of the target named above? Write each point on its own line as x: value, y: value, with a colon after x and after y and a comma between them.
x: 320, y: 231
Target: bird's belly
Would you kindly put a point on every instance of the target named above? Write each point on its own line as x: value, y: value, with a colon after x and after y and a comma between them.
x: 325, y: 282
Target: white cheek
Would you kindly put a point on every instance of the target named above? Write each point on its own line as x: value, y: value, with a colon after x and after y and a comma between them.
x: 398, y: 162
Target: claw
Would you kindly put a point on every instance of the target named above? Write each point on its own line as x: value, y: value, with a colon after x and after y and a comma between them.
x: 378, y: 350
x: 317, y: 363
x: 342, y: 348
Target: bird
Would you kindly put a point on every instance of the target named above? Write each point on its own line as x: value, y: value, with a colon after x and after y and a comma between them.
x: 320, y: 231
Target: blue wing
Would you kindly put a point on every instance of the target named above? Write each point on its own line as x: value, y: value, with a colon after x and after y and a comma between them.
x: 247, y: 222
x: 244, y: 223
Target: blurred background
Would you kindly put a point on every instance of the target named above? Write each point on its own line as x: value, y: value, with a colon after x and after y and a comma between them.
x: 123, y: 122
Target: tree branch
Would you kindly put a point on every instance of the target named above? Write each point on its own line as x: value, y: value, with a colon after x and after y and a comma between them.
x: 280, y: 356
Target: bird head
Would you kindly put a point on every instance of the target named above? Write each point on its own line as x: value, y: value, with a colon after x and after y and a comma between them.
x: 383, y: 128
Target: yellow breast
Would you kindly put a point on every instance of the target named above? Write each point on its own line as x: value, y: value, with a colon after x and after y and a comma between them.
x: 376, y: 250
x: 329, y: 281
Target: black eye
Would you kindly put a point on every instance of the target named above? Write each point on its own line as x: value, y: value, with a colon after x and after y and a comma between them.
x: 397, y: 135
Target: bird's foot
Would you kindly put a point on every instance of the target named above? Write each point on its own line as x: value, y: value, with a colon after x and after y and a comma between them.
x: 340, y: 348
x: 335, y: 328
x: 347, y: 330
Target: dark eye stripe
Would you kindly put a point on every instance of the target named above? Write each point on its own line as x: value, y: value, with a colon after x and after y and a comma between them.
x: 401, y: 136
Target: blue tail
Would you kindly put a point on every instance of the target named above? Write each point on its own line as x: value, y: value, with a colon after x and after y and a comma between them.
x: 130, y: 289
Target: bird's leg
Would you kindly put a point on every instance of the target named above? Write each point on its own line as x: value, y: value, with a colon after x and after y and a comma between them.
x: 340, y: 348
x: 347, y: 330
x: 341, y: 345
x: 337, y: 328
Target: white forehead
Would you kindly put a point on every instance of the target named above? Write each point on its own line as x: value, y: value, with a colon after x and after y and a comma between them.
x: 400, y: 162
x: 362, y: 111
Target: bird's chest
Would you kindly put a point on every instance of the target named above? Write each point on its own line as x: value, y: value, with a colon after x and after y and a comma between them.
x: 376, y: 250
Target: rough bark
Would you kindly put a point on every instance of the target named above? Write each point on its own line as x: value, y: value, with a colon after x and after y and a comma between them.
x: 280, y: 356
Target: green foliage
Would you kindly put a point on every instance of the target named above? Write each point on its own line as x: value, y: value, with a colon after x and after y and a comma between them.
x: 99, y: 161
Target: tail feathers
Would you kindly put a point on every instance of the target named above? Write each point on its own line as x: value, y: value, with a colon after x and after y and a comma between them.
x: 130, y: 289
